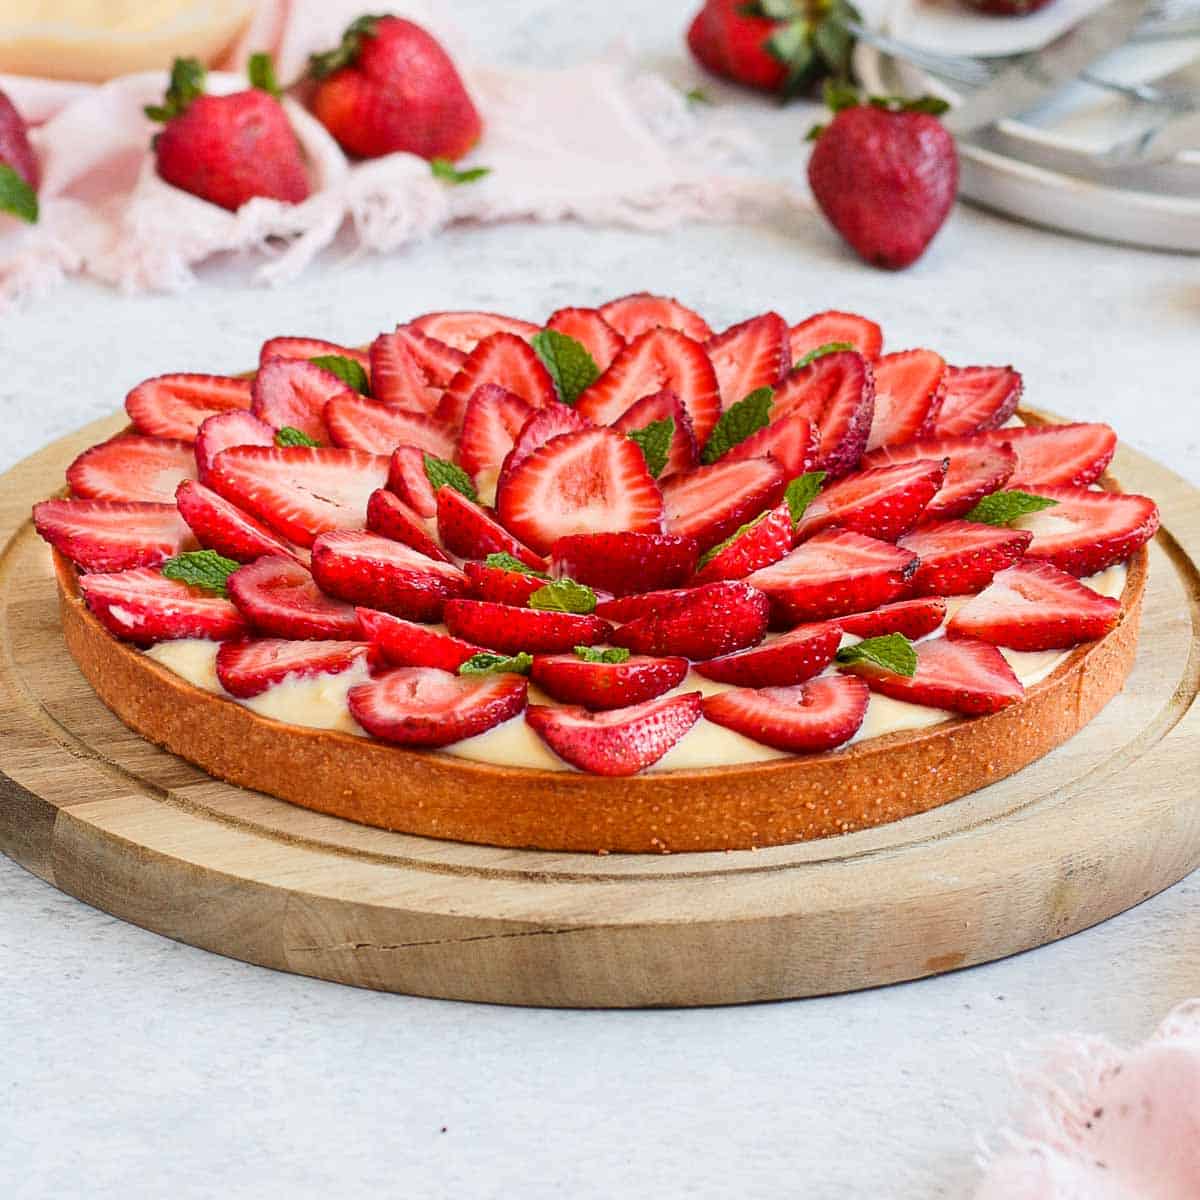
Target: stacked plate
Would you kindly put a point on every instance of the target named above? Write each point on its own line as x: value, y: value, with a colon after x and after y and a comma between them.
x: 1042, y: 166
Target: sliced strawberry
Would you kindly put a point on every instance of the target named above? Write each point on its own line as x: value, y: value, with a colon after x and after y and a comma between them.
x: 908, y: 396
x: 390, y: 517
x: 174, y: 406
x: 657, y: 359
x: 1087, y: 531
x: 835, y: 572
x: 397, y: 376
x: 962, y: 675
x: 806, y: 718
x: 300, y: 491
x: 633, y: 315
x: 837, y: 393
x: 248, y: 668
x: 710, y: 503
x: 292, y: 393
x: 977, y: 398
x: 627, y: 608
x: 621, y: 741
x: 358, y: 423
x: 463, y: 331
x: 1049, y: 455
x: 438, y: 362
x: 377, y: 572
x: 591, y: 330
x: 796, y: 656
x: 143, y: 606
x: 683, y: 453
x: 757, y: 544
x: 512, y: 630
x: 913, y: 618
x: 977, y: 468
x: 305, y: 348
x: 825, y: 328
x: 546, y: 423
x: 493, y: 419
x: 221, y: 526
x: 958, y: 557
x: 470, y: 531
x: 595, y: 481
x: 750, y: 355
x: 112, y: 535
x: 132, y: 467
x: 621, y: 563
x: 501, y: 586
x: 409, y: 644
x: 228, y: 429
x: 1034, y: 606
x: 882, y: 502
x: 792, y: 442
x: 278, y: 597
x: 422, y: 706
x: 705, y: 622
x: 408, y: 479
x: 570, y: 679
x: 503, y: 359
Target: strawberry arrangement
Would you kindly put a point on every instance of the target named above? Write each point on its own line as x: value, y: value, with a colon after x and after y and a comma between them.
x: 650, y: 523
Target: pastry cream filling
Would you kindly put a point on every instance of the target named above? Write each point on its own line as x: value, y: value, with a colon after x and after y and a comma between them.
x: 319, y: 702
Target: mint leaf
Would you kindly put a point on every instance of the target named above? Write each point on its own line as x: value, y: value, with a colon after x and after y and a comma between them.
x: 503, y: 561
x: 289, y: 435
x: 801, y: 492
x: 16, y: 196
x: 655, y: 443
x: 441, y: 473
x: 187, y: 82
x: 893, y: 652
x: 738, y: 422
x: 614, y: 654
x: 260, y: 70
x: 487, y: 663
x: 564, y: 595
x: 201, y: 568
x: 821, y: 351
x: 712, y: 553
x: 569, y: 362
x: 1002, y: 508
x: 349, y: 370
x: 447, y: 172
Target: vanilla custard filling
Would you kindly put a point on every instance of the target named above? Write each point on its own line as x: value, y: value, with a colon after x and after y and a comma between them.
x: 319, y: 702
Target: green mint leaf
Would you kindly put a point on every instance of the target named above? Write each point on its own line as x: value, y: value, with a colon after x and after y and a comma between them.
x: 441, y: 473
x: 260, y: 70
x: 712, y: 553
x: 447, y: 172
x: 655, y: 443
x: 697, y: 95
x: 503, y: 561
x: 187, y: 82
x: 346, y: 52
x: 801, y: 492
x: 569, y: 362
x: 738, y: 422
x: 487, y: 663
x: 893, y: 652
x: 289, y: 435
x: 614, y: 654
x: 821, y: 351
x: 349, y: 370
x: 16, y: 196
x: 1002, y: 508
x: 201, y: 568
x: 564, y: 595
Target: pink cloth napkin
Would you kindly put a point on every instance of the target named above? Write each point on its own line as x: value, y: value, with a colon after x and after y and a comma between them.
x: 1107, y: 1124
x: 599, y: 143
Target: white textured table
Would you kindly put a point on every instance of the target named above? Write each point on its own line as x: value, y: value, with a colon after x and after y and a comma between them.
x: 136, y: 1066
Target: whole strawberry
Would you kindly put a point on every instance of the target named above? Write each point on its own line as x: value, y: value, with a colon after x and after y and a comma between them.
x: 391, y: 87
x: 885, y: 173
x: 1007, y: 8
x: 18, y: 166
x: 227, y: 149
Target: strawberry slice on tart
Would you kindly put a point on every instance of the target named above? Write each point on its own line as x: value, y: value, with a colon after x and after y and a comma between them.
x: 512, y: 630
x: 464, y: 330
x: 546, y: 423
x: 411, y: 644
x: 639, y: 604
x: 750, y: 355
x: 304, y: 348
x: 355, y: 422
x: 112, y: 535
x: 398, y: 378
x: 132, y: 467
x: 805, y: 718
x: 625, y: 562
x: 470, y: 531
x: 224, y: 430
x: 792, y: 658
x: 220, y: 525
x: 509, y: 362
x: 977, y: 398
x: 759, y: 543
x: 390, y: 517
x: 913, y: 618
x: 698, y: 623
x: 503, y: 585
x: 683, y: 453
x: 712, y: 502
x: 793, y: 442
x: 1086, y: 531
x: 143, y: 606
x: 908, y: 396
x: 1057, y: 455
x: 960, y: 557
x: 832, y: 327
x: 291, y: 393
x: 278, y: 597
x: 634, y: 315
x: 249, y: 667
x: 493, y: 419
x: 175, y: 406
x: 589, y: 328
x: 606, y: 680
x: 408, y: 477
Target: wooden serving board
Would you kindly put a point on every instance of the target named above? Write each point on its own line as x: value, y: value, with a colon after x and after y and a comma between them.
x: 1098, y: 825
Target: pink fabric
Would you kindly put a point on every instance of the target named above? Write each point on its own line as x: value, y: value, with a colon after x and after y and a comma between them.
x: 1106, y: 1124
x: 598, y: 143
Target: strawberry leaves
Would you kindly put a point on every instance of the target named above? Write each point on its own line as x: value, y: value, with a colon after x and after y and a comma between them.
x: 738, y: 422
x: 187, y: 83
x: 811, y: 38
x: 204, y: 569
x: 893, y: 652
x: 346, y: 53
x: 447, y: 172
x: 569, y: 362
x: 16, y: 196
x: 260, y: 70
x: 655, y: 443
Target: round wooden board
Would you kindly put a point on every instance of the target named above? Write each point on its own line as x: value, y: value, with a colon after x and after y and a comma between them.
x: 1098, y: 825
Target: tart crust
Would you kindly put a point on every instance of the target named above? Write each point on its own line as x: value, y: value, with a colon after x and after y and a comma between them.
x: 720, y: 808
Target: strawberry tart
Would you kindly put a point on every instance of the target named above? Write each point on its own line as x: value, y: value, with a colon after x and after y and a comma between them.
x: 609, y: 581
